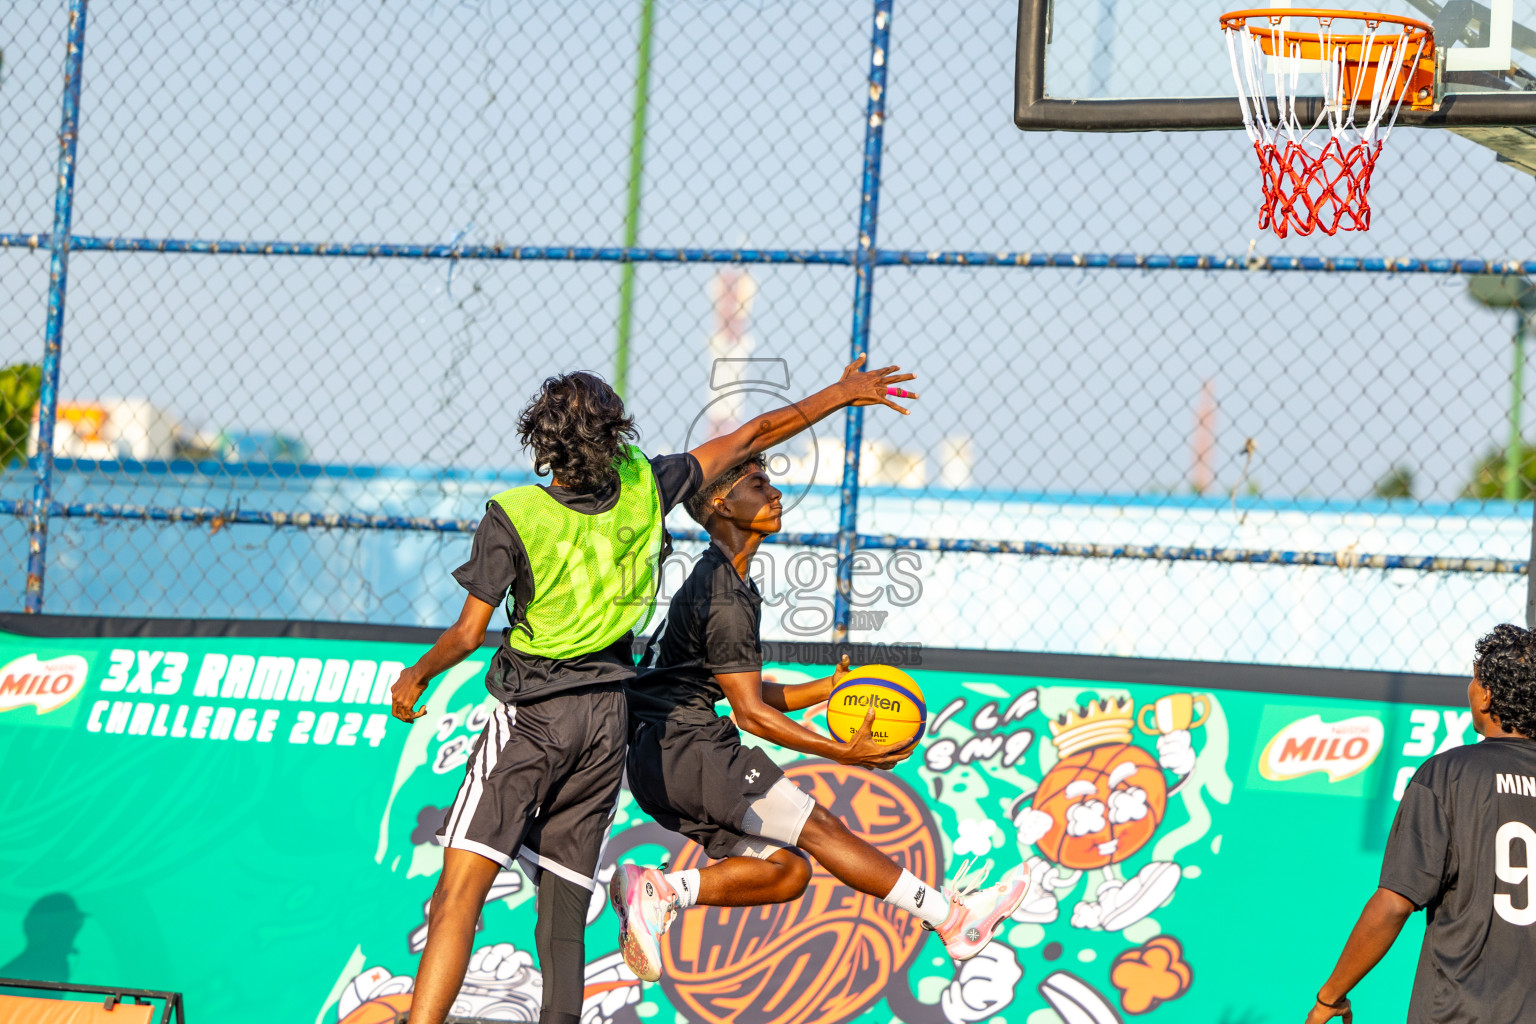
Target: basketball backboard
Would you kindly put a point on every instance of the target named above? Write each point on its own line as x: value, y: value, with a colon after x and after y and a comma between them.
x: 1147, y: 65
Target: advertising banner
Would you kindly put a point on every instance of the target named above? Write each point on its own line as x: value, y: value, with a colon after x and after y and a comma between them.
x: 237, y: 818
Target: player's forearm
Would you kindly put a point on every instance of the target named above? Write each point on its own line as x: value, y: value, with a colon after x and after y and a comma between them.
x: 780, y: 425
x: 761, y: 433
x: 769, y: 724
x: 456, y: 644
x: 796, y: 696
x: 1378, y: 927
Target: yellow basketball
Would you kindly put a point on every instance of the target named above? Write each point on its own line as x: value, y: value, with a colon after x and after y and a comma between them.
x: 900, y: 714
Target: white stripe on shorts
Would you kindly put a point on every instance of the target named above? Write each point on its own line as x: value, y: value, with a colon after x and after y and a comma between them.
x: 556, y: 868
x: 498, y: 731
x: 489, y: 854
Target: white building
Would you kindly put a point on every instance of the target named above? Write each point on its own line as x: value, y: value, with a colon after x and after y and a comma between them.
x: 112, y: 428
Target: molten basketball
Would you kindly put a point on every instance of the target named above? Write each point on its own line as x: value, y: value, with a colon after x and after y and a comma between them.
x: 900, y: 714
x: 827, y: 957
x: 1105, y: 802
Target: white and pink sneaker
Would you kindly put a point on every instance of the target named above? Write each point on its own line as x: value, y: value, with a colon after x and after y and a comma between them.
x: 646, y: 906
x: 974, y: 914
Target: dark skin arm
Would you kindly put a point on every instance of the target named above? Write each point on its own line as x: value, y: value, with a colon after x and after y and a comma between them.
x: 458, y: 642
x: 757, y: 435
x: 752, y: 712
x: 1378, y: 927
x: 798, y: 696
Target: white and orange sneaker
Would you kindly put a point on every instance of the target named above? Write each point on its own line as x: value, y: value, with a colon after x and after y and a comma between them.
x: 975, y: 913
x: 646, y: 906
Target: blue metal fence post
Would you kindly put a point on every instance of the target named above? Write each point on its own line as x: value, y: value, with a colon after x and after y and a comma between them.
x: 58, y: 274
x: 864, y: 280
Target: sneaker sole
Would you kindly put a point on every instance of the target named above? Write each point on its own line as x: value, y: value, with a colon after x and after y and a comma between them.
x: 635, y: 956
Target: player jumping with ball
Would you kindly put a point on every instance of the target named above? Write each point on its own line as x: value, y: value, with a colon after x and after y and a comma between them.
x: 574, y: 563
x: 688, y: 768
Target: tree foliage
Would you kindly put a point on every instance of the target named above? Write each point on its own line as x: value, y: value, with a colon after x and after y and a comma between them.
x: 1487, y: 481
x: 1397, y: 483
x: 19, y: 386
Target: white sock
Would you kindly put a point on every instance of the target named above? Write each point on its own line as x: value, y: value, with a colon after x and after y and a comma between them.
x: 686, y: 885
x: 918, y: 898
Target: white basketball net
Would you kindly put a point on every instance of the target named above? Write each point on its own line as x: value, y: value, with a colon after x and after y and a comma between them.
x: 1312, y: 181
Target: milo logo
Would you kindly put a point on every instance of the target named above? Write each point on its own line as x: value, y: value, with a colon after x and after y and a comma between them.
x: 872, y: 700
x: 1341, y: 749
x: 45, y: 685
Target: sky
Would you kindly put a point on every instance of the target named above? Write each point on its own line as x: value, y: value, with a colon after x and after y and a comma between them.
x: 483, y: 123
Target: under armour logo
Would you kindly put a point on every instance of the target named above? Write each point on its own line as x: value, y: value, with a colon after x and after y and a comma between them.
x: 752, y: 775
x: 917, y: 897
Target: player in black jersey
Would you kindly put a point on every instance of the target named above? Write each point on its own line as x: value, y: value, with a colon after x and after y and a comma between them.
x: 689, y: 770
x: 574, y: 564
x: 1463, y: 848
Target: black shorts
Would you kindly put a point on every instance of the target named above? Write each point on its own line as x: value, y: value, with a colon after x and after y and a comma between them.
x: 699, y: 780
x: 542, y: 784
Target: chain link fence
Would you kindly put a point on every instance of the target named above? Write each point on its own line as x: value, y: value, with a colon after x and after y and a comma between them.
x: 319, y: 254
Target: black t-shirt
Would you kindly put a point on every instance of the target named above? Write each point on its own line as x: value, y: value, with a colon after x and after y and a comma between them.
x: 1463, y: 846
x: 498, y: 563
x: 712, y: 627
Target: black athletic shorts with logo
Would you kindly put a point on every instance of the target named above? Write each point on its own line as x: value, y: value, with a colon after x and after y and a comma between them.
x: 698, y: 779
x: 542, y: 783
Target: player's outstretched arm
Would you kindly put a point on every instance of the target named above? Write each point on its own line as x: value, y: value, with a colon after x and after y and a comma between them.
x: 745, y: 692
x: 458, y: 642
x: 1379, y: 924
x: 855, y: 387
x: 797, y: 696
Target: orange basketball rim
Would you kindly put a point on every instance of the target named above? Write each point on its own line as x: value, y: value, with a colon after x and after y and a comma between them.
x: 1316, y: 154
x: 1359, y: 57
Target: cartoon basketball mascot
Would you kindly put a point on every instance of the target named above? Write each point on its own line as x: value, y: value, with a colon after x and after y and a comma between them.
x: 1100, y: 804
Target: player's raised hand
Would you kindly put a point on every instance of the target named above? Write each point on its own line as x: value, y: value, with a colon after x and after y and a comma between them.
x: 839, y: 670
x: 404, y: 695
x: 864, y: 752
x: 875, y: 387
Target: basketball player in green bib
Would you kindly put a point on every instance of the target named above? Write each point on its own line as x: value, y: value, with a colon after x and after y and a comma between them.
x: 575, y: 564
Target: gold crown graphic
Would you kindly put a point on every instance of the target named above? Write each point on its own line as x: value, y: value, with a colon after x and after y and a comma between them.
x: 1093, y: 725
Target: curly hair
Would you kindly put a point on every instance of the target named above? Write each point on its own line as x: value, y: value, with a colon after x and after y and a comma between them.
x: 1506, y: 664
x: 699, y: 505
x: 576, y: 428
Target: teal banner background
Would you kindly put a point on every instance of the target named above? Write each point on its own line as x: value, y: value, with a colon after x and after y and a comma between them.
x: 236, y: 819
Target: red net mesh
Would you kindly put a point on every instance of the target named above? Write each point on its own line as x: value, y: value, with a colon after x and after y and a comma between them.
x: 1307, y: 190
x: 1317, y: 177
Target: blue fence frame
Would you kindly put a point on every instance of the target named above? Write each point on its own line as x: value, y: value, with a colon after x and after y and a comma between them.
x: 865, y: 258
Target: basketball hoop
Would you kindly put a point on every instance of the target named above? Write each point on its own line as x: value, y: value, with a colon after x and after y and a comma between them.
x: 1311, y: 184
